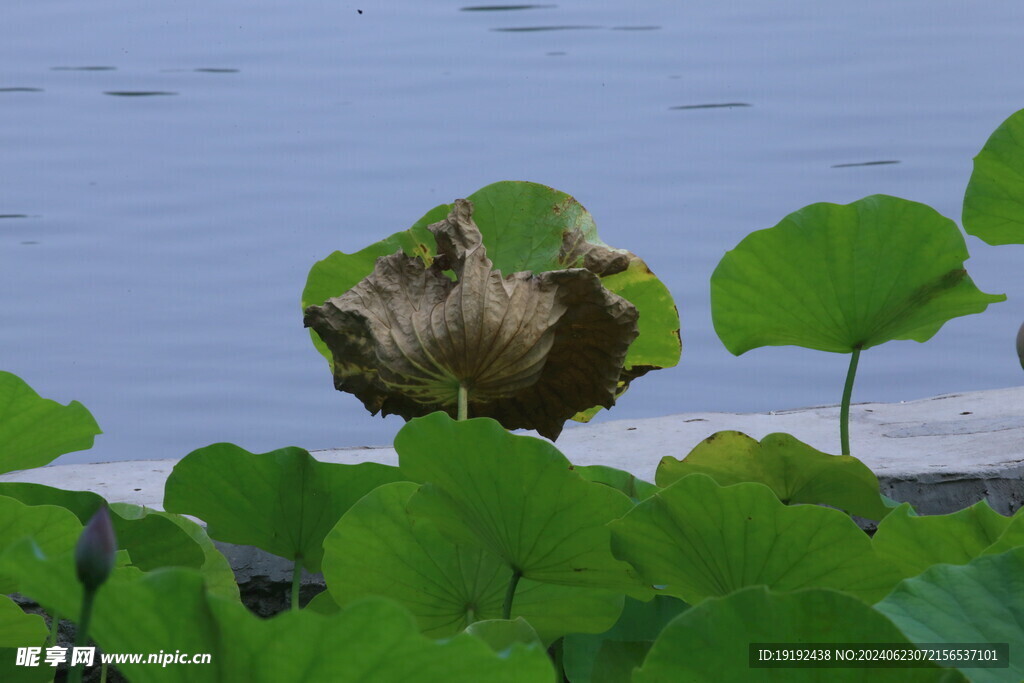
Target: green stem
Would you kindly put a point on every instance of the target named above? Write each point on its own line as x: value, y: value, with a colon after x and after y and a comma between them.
x: 82, y: 633
x: 844, y: 409
x: 296, y: 581
x: 54, y: 626
x: 103, y: 672
x: 510, y: 594
x: 463, y: 402
x: 557, y: 654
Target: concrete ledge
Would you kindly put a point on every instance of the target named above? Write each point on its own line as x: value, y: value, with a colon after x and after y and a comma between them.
x: 940, y: 454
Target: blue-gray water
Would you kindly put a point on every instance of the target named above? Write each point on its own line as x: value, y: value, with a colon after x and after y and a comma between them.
x: 158, y: 243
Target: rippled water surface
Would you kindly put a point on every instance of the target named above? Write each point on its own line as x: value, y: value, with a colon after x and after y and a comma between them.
x: 169, y: 172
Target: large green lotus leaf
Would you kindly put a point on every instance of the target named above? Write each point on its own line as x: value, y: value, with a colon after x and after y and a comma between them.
x: 323, y: 603
x: 154, y: 541
x: 698, y: 539
x: 530, y: 350
x: 152, y: 538
x: 796, y: 472
x: 83, y: 504
x: 517, y: 497
x: 284, y: 501
x: 220, y: 577
x: 915, y: 543
x: 18, y: 629
x: 11, y: 673
x: 171, y: 608
x: 526, y: 227
x: 377, y: 548
x: 637, y: 489
x: 979, y: 602
x: 372, y: 640
x: 994, y: 201
x: 53, y: 528
x: 709, y: 643
x: 840, y: 277
x: 1012, y: 537
x: 611, y: 656
x: 35, y: 430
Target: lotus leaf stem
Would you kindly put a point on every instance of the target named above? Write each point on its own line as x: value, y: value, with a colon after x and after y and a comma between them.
x: 844, y: 410
x: 296, y: 581
x: 463, y: 402
x: 506, y: 610
x: 54, y: 626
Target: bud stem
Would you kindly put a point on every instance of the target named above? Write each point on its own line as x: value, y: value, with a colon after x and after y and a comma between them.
x: 82, y: 632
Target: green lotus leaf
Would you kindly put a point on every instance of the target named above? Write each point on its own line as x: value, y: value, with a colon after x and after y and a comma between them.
x: 82, y: 504
x: 709, y: 643
x: 152, y: 538
x: 284, y: 501
x: 796, y: 472
x: 637, y: 489
x: 154, y: 541
x: 35, y: 430
x: 698, y: 539
x: 526, y: 227
x: 18, y: 629
x: 528, y: 350
x: 377, y: 548
x: 370, y: 640
x: 220, y: 577
x: 53, y: 529
x: 979, y: 602
x: 323, y: 603
x: 610, y: 657
x: 844, y: 277
x: 915, y: 543
x: 517, y: 497
x: 1012, y: 537
x: 10, y: 672
x: 994, y: 201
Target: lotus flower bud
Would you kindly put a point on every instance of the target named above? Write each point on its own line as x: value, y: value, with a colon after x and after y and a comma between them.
x: 1020, y: 345
x: 94, y: 553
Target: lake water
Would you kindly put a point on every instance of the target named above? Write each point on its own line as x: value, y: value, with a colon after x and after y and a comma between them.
x: 170, y: 171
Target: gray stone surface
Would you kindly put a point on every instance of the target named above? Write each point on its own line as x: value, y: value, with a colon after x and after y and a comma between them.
x: 940, y: 454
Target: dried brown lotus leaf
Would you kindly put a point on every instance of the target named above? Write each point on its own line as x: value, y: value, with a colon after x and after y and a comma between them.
x: 532, y: 350
x: 603, y: 260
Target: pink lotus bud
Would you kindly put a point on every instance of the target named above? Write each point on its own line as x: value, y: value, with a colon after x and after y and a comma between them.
x: 94, y: 553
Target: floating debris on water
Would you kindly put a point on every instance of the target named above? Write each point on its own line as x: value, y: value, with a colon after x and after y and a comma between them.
x: 867, y: 163
x: 722, y: 105
x: 501, y: 8
x: 138, y: 93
